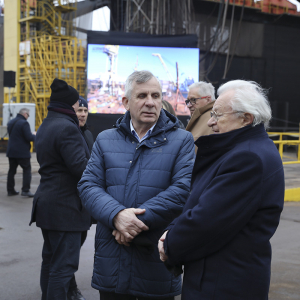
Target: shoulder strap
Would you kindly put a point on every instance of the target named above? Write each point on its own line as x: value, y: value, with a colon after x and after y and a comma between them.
x: 9, y: 132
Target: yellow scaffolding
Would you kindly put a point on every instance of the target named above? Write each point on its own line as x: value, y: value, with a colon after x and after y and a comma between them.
x: 48, y: 49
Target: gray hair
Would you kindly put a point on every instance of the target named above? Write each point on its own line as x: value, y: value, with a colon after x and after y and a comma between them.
x: 249, y: 97
x: 138, y: 77
x: 204, y: 89
x: 24, y: 111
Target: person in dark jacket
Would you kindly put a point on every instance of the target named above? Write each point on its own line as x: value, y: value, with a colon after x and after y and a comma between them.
x: 135, y: 184
x: 82, y: 114
x: 18, y: 152
x: 62, y: 153
x: 223, y: 235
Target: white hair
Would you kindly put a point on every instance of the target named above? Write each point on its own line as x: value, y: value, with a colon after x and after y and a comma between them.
x: 138, y: 77
x: 24, y: 111
x: 249, y: 97
x: 204, y: 89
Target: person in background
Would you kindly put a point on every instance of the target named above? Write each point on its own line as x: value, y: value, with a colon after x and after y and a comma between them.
x: 135, y: 184
x: 82, y: 115
x: 18, y: 152
x: 168, y: 107
x: 62, y: 153
x: 200, y: 101
x: 223, y: 235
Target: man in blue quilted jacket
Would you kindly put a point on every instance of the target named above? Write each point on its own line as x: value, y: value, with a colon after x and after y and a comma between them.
x: 135, y: 184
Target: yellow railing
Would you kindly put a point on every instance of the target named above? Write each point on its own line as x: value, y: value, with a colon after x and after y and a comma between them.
x: 280, y: 142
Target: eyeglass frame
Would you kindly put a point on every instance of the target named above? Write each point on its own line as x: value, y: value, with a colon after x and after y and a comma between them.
x: 214, y: 115
x: 193, y: 100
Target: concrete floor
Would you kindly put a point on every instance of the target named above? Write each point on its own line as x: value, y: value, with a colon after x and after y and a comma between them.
x: 21, y: 246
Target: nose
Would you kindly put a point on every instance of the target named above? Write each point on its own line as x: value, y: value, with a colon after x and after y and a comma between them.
x: 211, y: 122
x: 149, y: 101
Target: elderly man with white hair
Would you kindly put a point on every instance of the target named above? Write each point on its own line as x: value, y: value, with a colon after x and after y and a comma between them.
x: 200, y: 101
x: 223, y: 235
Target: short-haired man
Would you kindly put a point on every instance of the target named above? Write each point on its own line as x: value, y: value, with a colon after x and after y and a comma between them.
x: 200, y: 101
x: 223, y: 235
x: 18, y: 152
x: 135, y: 184
x: 82, y: 114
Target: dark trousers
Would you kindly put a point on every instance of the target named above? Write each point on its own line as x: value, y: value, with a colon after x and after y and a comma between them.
x: 13, y: 165
x: 60, y: 261
x: 73, y: 284
x: 114, y: 296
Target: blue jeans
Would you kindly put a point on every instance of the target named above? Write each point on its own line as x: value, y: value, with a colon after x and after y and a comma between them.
x: 60, y: 261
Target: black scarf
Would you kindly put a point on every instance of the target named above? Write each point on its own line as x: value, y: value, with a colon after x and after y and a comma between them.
x: 66, y: 109
x: 63, y: 108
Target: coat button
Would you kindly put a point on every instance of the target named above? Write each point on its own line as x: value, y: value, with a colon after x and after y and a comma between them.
x: 136, y: 148
x: 154, y: 143
x: 131, y: 161
x: 132, y: 142
x: 164, y: 139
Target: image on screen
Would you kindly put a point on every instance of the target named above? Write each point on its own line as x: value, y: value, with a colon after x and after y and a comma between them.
x: 108, y: 67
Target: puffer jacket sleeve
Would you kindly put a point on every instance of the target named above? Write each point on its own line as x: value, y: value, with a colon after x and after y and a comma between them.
x: 167, y: 205
x: 102, y: 206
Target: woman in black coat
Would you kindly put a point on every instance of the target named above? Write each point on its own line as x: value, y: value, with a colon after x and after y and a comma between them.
x: 62, y: 153
x: 223, y: 235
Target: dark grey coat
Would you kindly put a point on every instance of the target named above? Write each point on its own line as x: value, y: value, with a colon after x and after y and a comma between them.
x: 88, y: 136
x: 62, y: 156
x: 20, y: 137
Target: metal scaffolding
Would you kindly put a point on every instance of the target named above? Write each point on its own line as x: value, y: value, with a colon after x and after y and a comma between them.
x: 158, y: 16
x: 48, y: 49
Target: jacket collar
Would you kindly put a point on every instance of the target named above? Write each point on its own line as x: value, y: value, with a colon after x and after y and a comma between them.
x: 55, y: 114
x: 165, y: 122
x: 198, y: 112
x: 229, y: 139
x: 21, y: 117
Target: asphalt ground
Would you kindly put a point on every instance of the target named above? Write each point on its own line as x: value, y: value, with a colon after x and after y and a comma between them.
x: 21, y: 245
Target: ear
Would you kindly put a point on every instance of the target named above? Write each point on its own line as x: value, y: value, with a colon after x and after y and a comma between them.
x: 125, y: 102
x: 208, y: 99
x: 248, y: 119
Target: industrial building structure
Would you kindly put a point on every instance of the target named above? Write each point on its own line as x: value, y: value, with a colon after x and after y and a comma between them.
x: 254, y: 40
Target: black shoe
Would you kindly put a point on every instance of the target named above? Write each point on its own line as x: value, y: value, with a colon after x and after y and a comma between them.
x: 27, y: 194
x: 13, y: 193
x: 75, y: 295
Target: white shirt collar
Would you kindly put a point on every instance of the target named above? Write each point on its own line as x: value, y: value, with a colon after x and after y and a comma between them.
x: 136, y: 135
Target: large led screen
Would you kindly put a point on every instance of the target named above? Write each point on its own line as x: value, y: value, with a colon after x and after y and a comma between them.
x: 108, y: 67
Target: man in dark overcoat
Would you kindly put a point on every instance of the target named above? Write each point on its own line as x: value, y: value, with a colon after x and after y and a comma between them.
x: 62, y: 154
x: 223, y: 235
x: 18, y: 152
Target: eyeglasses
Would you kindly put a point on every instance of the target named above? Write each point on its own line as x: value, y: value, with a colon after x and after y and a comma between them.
x: 216, y: 116
x: 193, y: 100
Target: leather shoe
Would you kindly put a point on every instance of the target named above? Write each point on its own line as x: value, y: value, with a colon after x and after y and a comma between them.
x: 27, y: 194
x: 75, y: 294
x: 13, y: 193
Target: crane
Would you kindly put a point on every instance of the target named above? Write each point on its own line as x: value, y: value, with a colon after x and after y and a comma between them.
x: 165, y: 67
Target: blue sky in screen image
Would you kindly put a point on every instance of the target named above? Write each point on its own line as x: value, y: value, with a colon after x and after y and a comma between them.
x: 187, y: 58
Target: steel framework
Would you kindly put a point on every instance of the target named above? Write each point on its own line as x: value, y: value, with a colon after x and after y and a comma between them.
x: 158, y: 16
x: 47, y: 49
